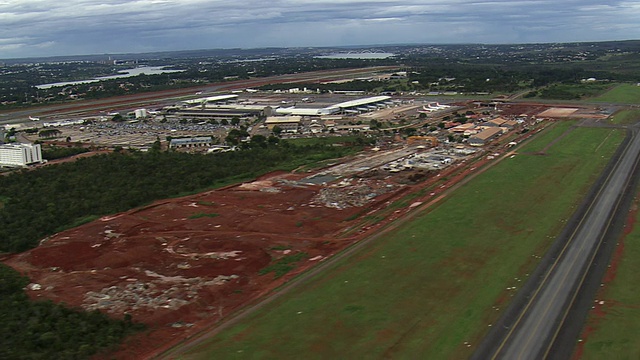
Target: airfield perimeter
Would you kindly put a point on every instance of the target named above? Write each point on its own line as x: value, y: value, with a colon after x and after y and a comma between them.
x: 182, y: 264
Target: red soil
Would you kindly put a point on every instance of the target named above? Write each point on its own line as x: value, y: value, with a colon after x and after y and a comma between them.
x: 180, y: 265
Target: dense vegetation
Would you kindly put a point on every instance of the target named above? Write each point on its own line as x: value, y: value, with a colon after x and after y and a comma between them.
x: 38, y: 203
x: 59, y: 152
x: 43, y: 330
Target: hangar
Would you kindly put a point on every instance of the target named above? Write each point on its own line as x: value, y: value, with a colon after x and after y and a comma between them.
x: 348, y: 107
x: 360, y: 105
x: 219, y: 99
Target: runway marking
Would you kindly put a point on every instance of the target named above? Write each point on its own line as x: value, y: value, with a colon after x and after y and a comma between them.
x: 584, y: 275
x: 557, y: 260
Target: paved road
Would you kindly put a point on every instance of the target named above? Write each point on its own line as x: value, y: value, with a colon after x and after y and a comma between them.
x: 537, y: 325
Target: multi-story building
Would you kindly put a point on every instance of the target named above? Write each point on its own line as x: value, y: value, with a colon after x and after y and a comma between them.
x: 20, y: 154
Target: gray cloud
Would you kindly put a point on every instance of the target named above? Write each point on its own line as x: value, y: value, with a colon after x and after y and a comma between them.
x: 44, y: 27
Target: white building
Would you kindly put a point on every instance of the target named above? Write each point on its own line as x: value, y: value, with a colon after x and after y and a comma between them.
x: 198, y: 141
x: 140, y: 113
x: 20, y: 154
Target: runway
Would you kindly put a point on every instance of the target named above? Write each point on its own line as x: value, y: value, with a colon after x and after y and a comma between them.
x: 530, y: 328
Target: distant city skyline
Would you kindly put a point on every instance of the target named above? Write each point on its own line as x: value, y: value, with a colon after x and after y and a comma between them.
x: 37, y: 28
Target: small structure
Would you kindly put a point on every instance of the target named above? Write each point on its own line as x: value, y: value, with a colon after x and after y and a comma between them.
x: 485, y: 136
x: 140, y: 113
x: 286, y: 123
x: 199, y: 141
x: 496, y: 122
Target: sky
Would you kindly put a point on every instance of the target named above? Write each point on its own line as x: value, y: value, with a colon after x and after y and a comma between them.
x: 38, y: 28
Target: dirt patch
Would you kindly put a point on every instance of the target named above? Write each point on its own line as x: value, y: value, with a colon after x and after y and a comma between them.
x: 183, y: 265
x: 180, y: 265
x: 558, y: 112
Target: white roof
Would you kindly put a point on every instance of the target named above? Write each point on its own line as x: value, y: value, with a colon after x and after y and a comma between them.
x: 237, y: 107
x: 301, y: 111
x: 359, y: 102
x: 211, y: 99
x: 282, y: 119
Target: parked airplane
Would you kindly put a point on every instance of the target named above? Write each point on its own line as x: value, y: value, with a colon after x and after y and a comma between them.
x: 427, y: 109
x: 438, y: 106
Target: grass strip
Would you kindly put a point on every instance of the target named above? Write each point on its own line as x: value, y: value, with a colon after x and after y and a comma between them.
x: 435, y: 284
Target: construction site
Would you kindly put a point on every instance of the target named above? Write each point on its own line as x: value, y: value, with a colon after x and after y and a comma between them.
x: 180, y: 265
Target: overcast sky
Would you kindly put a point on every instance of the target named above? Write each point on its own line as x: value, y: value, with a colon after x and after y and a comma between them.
x: 73, y: 27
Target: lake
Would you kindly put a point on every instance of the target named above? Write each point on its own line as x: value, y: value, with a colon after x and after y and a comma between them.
x: 147, y: 70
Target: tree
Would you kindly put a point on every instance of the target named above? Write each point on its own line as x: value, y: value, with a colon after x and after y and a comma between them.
x: 258, y: 141
x: 224, y: 122
x: 117, y: 118
x: 277, y: 130
x: 272, y: 140
x: 235, y: 135
x: 157, y: 146
x: 235, y: 121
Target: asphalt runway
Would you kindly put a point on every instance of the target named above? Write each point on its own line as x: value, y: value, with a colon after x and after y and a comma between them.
x: 530, y: 327
x: 21, y: 115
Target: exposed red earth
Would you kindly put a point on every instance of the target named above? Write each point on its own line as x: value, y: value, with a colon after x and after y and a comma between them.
x: 182, y: 264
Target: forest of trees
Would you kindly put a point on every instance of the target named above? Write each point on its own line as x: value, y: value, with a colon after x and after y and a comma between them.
x: 40, y: 202
x: 33, y: 330
x: 59, y: 152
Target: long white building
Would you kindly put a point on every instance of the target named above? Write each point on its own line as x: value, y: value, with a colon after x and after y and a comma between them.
x: 20, y: 154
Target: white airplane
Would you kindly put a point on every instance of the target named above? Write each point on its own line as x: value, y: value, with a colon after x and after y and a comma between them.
x: 34, y: 118
x: 438, y: 106
x: 427, y: 109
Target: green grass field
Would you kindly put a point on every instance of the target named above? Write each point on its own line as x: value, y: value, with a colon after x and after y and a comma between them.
x: 615, y: 335
x: 438, y: 281
x: 631, y: 116
x: 621, y: 94
x: 547, y: 136
x: 323, y: 140
x: 573, y: 91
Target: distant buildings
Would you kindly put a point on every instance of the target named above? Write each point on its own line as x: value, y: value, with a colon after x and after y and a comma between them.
x: 485, y: 136
x: 286, y: 123
x: 192, y: 142
x: 20, y: 154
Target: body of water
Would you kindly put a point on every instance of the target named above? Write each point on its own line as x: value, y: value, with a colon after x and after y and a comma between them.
x: 147, y: 70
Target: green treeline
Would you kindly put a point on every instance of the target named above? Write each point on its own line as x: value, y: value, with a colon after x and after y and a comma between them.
x: 43, y: 330
x: 40, y: 202
x: 59, y: 152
